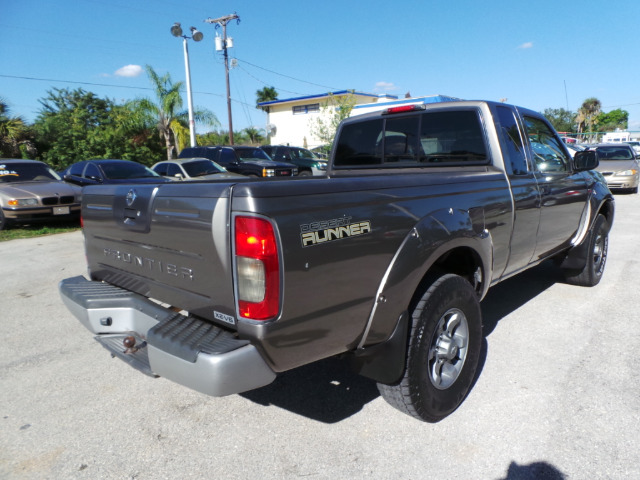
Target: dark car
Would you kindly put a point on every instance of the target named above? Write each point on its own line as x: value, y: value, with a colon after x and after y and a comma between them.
x: 250, y: 161
x: 306, y: 161
x: 30, y: 191
x: 192, y: 169
x: 105, y: 171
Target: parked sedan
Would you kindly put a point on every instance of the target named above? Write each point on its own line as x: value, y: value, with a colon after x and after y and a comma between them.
x: 104, y: 171
x: 619, y: 166
x: 30, y: 191
x: 193, y: 169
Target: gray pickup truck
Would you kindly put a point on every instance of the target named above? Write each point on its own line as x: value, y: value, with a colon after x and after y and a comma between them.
x: 221, y: 285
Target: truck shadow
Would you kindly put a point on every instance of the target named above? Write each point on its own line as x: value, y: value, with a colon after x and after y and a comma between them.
x: 326, y: 391
x: 329, y: 392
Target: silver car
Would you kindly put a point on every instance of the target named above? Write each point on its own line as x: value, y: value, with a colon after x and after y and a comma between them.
x: 193, y: 169
x: 31, y: 192
x: 619, y: 165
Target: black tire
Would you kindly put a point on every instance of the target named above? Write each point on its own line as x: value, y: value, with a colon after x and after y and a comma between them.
x: 304, y: 173
x: 443, y: 351
x: 598, y: 247
x: 4, y: 223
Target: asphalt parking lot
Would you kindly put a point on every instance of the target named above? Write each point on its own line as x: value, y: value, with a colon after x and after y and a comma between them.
x: 558, y: 395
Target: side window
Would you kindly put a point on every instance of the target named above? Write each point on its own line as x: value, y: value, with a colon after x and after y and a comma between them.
x: 548, y: 153
x: 77, y: 169
x: 161, y: 169
x: 173, y: 170
x: 92, y: 172
x: 283, y: 154
x: 511, y: 141
x: 227, y: 156
x: 452, y: 138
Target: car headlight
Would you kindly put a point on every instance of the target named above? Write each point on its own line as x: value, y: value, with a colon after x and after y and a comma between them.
x: 268, y: 172
x: 625, y: 173
x: 321, y: 165
x: 23, y: 202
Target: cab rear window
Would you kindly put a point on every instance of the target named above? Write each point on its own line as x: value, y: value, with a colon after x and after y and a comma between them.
x: 427, y: 139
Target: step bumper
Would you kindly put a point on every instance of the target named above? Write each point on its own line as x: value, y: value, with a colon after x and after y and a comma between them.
x: 160, y: 342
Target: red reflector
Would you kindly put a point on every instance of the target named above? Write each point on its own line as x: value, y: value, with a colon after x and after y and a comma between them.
x: 258, y: 274
x: 404, y: 108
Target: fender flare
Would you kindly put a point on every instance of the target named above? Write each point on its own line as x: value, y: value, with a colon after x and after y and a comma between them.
x: 435, y: 235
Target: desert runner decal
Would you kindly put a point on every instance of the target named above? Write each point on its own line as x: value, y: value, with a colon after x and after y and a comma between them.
x: 325, y: 231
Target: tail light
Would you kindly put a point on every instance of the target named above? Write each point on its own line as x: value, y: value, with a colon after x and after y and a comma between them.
x: 257, y: 268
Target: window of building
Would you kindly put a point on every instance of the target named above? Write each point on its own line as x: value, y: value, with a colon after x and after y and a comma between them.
x: 302, y: 109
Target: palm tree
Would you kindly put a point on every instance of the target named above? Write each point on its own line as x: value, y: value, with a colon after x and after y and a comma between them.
x: 13, y: 132
x: 253, y: 135
x: 171, y: 121
x: 588, y: 113
x: 267, y: 94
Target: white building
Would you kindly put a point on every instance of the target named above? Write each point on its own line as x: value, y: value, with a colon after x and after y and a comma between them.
x: 616, y: 136
x: 289, y: 121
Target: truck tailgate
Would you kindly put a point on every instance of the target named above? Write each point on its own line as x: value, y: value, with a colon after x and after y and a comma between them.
x: 169, y: 242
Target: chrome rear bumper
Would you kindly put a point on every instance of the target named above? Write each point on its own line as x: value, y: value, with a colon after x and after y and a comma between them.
x: 187, y: 350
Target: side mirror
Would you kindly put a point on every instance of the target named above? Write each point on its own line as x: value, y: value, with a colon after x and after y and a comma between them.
x: 179, y: 176
x: 585, y: 160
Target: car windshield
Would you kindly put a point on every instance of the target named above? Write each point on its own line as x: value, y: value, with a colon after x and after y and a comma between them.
x: 245, y: 154
x: 199, y: 168
x: 126, y: 170
x: 26, y: 172
x: 614, y: 153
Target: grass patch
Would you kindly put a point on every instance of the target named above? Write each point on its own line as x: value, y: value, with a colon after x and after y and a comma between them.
x: 37, y: 230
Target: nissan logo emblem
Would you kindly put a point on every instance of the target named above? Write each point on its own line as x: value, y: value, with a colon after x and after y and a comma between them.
x: 131, y: 197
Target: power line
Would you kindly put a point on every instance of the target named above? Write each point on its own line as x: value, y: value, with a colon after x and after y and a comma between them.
x: 287, y: 76
x: 75, y: 82
x: 265, y: 83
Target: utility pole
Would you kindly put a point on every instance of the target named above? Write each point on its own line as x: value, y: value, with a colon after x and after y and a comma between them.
x: 222, y: 22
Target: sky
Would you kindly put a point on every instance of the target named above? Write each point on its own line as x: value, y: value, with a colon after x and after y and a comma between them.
x: 538, y: 54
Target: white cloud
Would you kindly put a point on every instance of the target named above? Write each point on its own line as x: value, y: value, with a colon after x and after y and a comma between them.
x: 384, y: 87
x: 129, y: 71
x: 526, y: 45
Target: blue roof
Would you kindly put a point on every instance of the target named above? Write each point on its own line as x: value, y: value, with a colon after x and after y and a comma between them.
x: 412, y: 100
x: 323, y: 95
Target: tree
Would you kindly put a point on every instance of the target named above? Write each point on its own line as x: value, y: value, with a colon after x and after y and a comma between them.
x: 15, y: 135
x: 334, y: 110
x: 615, y: 119
x: 67, y: 126
x: 266, y: 94
x: 76, y: 125
x: 587, y: 116
x: 171, y: 122
x: 561, y: 119
x: 253, y: 135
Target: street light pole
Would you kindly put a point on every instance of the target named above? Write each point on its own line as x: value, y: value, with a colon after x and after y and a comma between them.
x: 176, y: 31
x: 222, y: 21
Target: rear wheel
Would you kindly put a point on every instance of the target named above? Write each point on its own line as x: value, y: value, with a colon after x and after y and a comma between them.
x: 591, y: 274
x: 3, y: 221
x: 443, y: 352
